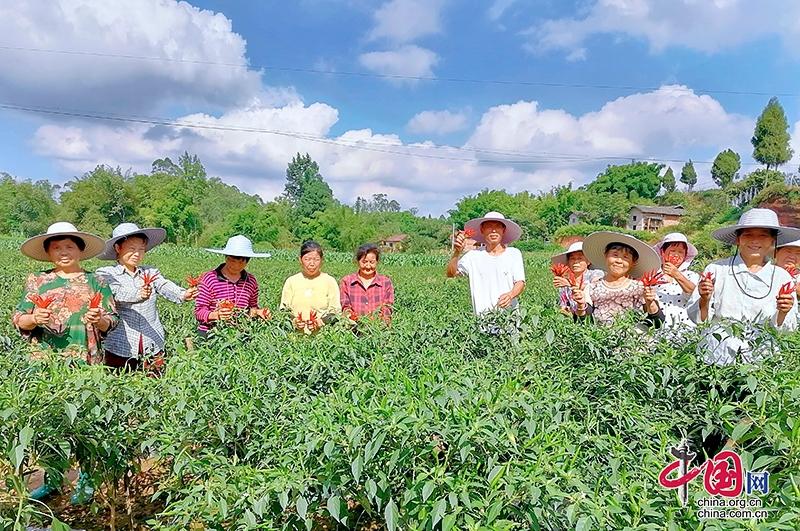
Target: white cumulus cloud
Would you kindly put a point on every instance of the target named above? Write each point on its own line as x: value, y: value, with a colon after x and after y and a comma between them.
x: 409, y: 60
x: 709, y: 26
x: 406, y: 20
x: 437, y: 122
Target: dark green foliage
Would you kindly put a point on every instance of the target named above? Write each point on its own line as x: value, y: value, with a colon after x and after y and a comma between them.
x: 640, y: 178
x: 771, y: 136
x: 725, y: 168
x: 689, y: 175
x: 669, y: 181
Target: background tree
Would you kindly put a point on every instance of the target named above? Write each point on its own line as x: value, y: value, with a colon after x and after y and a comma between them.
x: 641, y: 178
x: 725, y: 166
x: 305, y: 188
x: 689, y: 175
x: 26, y: 207
x: 99, y: 200
x: 771, y: 136
x: 668, y: 181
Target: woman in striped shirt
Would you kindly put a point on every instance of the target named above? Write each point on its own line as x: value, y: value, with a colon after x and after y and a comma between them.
x: 229, y: 287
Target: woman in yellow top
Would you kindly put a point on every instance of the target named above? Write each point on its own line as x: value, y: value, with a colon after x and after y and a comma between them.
x: 311, y: 291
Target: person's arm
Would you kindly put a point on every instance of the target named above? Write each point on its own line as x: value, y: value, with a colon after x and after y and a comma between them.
x: 202, y: 305
x: 105, y: 318
x: 28, y: 316
x: 452, y: 266
x: 504, y: 301
x: 167, y: 288
x: 344, y: 296
x: 124, y: 292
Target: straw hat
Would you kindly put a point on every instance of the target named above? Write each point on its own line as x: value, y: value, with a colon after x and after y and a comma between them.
x: 757, y: 218
x: 154, y: 237
x: 513, y: 231
x: 239, y: 246
x: 34, y: 247
x: 561, y: 258
x: 795, y: 243
x: 677, y: 237
x: 594, y: 247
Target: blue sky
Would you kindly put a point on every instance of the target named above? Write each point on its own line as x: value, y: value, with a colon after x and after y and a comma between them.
x: 557, y: 89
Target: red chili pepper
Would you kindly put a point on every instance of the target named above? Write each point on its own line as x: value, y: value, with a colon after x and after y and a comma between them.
x: 653, y: 278
x: 312, y: 316
x: 224, y: 304
x: 675, y: 260
x: 41, y: 302
x: 469, y: 233
x: 707, y: 276
x: 560, y: 270
x: 192, y: 281
x: 573, y: 281
x: 793, y: 271
x: 787, y: 289
x: 95, y: 300
x: 148, y: 278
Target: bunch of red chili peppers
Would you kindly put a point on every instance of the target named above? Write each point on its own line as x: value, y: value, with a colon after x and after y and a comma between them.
x: 653, y: 278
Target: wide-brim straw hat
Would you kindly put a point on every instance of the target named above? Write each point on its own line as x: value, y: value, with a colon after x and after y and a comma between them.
x: 155, y: 236
x: 795, y: 243
x: 34, y: 247
x: 594, y: 247
x: 513, y: 231
x: 677, y: 237
x: 561, y: 258
x: 239, y: 246
x: 757, y: 218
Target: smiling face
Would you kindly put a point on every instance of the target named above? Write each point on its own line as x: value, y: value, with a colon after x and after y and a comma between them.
x: 493, y: 232
x: 755, y: 244
x: 131, y: 252
x: 368, y: 265
x: 619, y: 262
x: 311, y: 263
x: 787, y: 257
x: 577, y: 262
x: 674, y: 251
x: 65, y: 254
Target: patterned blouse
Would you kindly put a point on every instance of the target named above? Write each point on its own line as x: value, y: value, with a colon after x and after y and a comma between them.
x: 378, y: 296
x: 565, y: 299
x: 66, y: 332
x: 608, y: 302
x: 674, y: 301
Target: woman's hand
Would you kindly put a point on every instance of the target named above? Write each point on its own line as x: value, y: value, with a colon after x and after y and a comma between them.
x: 145, y: 292
x: 785, y: 303
x: 705, y: 288
x: 225, y: 314
x: 649, y: 294
x: 458, y: 242
x: 93, y: 316
x: 191, y: 294
x: 579, y: 297
x: 41, y: 315
x: 504, y: 300
x: 299, y: 323
x: 264, y: 313
x: 560, y: 282
x: 671, y: 270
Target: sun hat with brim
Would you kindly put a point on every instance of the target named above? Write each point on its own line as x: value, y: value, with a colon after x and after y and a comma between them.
x: 562, y: 258
x: 677, y: 237
x: 594, y: 247
x: 795, y: 243
x: 757, y: 218
x: 239, y: 246
x: 513, y: 231
x: 154, y: 237
x: 34, y: 247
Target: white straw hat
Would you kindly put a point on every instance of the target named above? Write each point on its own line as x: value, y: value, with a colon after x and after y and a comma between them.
x: 513, y: 231
x: 154, y: 237
x: 677, y: 237
x: 594, y: 247
x: 34, y: 247
x: 561, y: 258
x: 795, y: 243
x: 757, y: 218
x: 239, y: 246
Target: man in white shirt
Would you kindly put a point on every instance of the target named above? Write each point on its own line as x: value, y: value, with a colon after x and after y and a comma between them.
x: 745, y: 290
x: 496, y: 273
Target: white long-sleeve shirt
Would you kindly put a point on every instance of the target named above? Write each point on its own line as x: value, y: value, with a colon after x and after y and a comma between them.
x: 733, y: 313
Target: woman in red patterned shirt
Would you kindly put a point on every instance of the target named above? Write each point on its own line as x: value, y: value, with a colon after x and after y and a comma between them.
x: 366, y: 292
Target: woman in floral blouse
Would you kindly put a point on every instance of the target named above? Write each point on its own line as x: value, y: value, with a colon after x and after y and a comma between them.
x: 65, y: 311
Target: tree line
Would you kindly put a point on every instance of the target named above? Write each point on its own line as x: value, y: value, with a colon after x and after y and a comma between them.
x: 196, y: 209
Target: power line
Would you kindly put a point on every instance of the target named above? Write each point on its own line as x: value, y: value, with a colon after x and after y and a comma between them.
x: 395, y: 76
x: 419, y: 151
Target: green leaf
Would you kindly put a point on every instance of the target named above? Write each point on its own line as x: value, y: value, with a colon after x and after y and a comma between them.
x: 584, y: 524
x: 763, y: 461
x: 727, y: 408
x: 427, y: 489
x: 495, y: 475
x: 740, y: 430
x: 373, y: 446
x: 494, y: 510
x: 249, y: 519
x: 356, y: 467
x: 334, y: 507
x: 448, y: 521
x: 223, y: 508
x: 17, y: 454
x: 438, y: 511
x: 58, y: 525
x: 391, y: 515
x: 302, y: 507
x: 72, y: 412
x: 25, y: 436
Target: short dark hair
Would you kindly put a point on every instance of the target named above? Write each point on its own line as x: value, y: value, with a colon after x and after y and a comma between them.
x: 141, y: 235
x: 774, y: 232
x: 310, y: 246
x: 75, y: 239
x: 366, y: 248
x: 670, y: 244
x: 624, y: 246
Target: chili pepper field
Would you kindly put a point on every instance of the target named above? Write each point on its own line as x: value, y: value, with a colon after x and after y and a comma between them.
x: 427, y: 425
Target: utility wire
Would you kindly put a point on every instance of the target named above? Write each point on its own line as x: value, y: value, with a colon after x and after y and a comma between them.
x: 394, y: 76
x: 419, y: 151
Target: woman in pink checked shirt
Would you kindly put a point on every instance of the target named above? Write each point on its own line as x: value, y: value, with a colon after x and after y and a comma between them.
x: 367, y: 292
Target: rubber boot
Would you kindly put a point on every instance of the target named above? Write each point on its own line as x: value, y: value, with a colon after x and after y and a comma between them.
x: 83, y: 490
x: 51, y: 484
